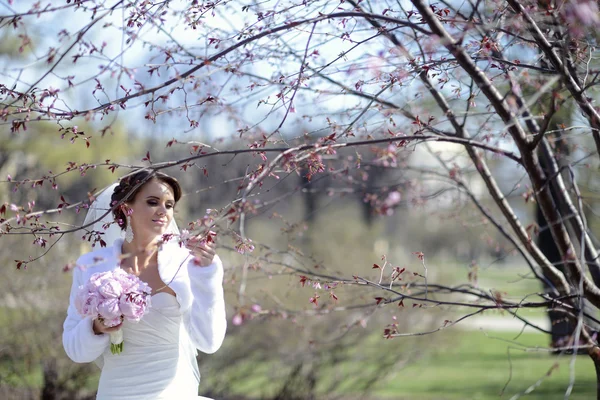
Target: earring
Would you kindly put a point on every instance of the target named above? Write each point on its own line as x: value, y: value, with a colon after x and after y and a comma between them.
x: 129, y: 231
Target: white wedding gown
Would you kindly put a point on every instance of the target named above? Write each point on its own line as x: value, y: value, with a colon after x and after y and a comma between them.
x: 154, y: 363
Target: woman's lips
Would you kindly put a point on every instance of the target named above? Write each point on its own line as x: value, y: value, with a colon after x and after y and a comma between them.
x: 160, y: 222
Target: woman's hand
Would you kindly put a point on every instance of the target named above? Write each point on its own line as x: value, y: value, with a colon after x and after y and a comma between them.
x: 100, y: 328
x: 203, y: 248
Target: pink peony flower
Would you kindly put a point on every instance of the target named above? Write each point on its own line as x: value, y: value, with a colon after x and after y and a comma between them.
x: 112, y: 322
x: 109, y: 309
x: 96, y: 280
x: 87, y: 305
x: 133, y: 306
x: 110, y: 289
x: 114, y: 296
x: 128, y: 282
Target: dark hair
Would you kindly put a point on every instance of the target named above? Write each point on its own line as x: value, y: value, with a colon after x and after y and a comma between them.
x: 126, y: 191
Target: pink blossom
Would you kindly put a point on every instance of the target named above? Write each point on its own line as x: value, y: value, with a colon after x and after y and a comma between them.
x: 256, y: 308
x: 237, y: 320
x: 184, y: 235
x: 584, y: 13
x: 244, y: 246
x: 393, y: 199
x: 581, y: 15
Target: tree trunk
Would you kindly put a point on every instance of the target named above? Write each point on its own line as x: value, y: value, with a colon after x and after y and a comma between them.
x: 560, y: 326
x: 50, y: 389
x: 595, y: 356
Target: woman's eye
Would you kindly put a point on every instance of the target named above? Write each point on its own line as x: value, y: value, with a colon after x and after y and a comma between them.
x: 154, y: 203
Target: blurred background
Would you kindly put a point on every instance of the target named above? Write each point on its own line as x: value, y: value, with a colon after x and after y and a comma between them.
x: 279, y: 344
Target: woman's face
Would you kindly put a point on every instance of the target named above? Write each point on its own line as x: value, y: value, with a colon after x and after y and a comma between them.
x: 152, y: 209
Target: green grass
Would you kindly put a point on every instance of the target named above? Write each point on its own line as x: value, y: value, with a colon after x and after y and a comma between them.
x: 480, y: 366
x: 513, y: 283
x: 456, y: 365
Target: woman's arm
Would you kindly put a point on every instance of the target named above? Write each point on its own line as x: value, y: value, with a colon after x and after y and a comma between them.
x: 205, y: 321
x: 79, y: 340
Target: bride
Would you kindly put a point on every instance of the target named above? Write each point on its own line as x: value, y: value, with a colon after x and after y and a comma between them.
x: 188, y: 310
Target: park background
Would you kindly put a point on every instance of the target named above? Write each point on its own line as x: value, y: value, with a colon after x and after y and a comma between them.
x: 288, y: 337
x: 266, y: 357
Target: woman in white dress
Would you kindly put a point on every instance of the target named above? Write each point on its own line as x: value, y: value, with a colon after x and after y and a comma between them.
x: 187, y: 307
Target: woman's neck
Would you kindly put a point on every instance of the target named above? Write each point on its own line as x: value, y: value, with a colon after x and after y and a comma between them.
x: 143, y: 252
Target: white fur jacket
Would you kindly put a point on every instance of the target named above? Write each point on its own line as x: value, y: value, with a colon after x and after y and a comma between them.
x: 199, y: 291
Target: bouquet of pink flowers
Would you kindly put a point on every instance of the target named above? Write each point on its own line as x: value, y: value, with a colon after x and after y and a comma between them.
x: 114, y: 296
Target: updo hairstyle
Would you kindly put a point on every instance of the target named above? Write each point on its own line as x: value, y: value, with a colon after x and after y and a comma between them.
x: 126, y: 191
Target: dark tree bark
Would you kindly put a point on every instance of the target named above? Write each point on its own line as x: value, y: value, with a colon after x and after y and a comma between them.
x: 562, y: 328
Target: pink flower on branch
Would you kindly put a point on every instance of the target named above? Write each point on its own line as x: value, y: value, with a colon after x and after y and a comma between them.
x: 581, y: 15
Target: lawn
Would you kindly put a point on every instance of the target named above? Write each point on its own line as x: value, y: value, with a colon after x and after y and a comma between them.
x: 479, y: 366
x: 459, y: 364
